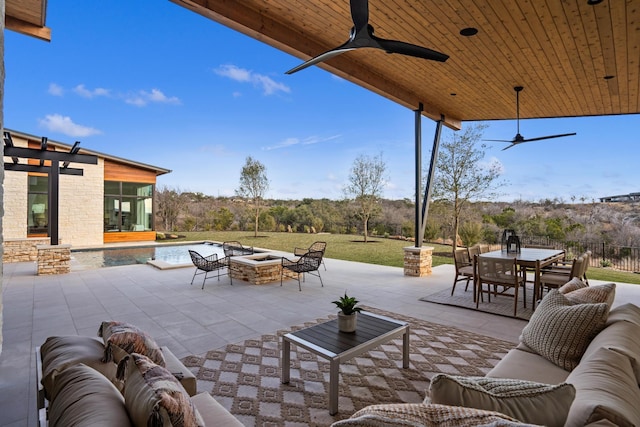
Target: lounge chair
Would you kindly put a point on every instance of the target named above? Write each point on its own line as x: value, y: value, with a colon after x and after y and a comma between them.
x: 234, y: 248
x: 315, y: 247
x: 307, y: 263
x: 205, y: 265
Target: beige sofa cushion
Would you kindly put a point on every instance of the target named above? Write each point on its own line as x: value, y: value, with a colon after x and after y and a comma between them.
x: 519, y: 399
x: 59, y: 353
x: 84, y: 397
x: 424, y: 414
x: 153, y: 396
x: 561, y: 331
x: 121, y: 338
x: 593, y: 294
x: 629, y: 312
x: 213, y: 413
x: 606, y: 389
x: 572, y: 285
x: 538, y: 368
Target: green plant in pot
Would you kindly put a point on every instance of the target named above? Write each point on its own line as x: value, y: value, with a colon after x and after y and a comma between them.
x: 347, y: 316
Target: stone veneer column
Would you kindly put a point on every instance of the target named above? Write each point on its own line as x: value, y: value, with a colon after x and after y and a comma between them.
x: 54, y: 259
x: 418, y: 261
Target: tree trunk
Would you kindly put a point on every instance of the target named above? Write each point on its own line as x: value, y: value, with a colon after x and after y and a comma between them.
x: 365, y: 222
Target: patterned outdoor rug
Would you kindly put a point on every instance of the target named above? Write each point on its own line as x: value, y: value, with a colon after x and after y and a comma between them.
x: 502, y: 305
x: 245, y: 377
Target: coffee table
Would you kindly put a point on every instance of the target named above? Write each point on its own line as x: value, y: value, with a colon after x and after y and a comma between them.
x: 325, y: 340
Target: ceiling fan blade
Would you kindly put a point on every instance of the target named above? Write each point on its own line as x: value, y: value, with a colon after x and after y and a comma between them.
x: 513, y: 144
x: 549, y: 137
x: 360, y: 13
x: 322, y: 57
x: 499, y: 140
x: 402, y: 48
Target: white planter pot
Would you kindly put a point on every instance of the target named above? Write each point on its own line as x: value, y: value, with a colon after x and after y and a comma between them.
x: 347, y: 322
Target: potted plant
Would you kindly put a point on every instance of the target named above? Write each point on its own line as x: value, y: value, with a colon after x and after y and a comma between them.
x: 348, y: 313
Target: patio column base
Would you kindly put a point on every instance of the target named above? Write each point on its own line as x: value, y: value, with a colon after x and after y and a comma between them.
x: 418, y: 261
x: 54, y: 259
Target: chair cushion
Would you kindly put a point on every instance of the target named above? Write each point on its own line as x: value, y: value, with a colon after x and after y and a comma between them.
x: 121, y: 338
x: 606, y: 389
x: 424, y: 414
x: 519, y: 399
x: 593, y: 294
x: 82, y: 397
x: 561, y: 331
x: 572, y: 285
x: 59, y: 353
x: 153, y: 396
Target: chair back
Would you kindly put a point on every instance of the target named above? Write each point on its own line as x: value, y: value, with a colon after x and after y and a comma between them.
x: 461, y: 258
x: 473, y: 251
x: 585, y: 263
x: 497, y: 270
x: 577, y: 269
x: 311, y: 260
x: 233, y: 248
x: 196, y: 258
x: 484, y: 248
x: 318, y: 247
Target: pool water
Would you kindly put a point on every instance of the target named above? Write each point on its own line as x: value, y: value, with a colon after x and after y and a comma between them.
x: 171, y: 254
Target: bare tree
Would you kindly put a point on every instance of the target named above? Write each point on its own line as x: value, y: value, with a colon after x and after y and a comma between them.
x: 461, y: 174
x: 253, y: 186
x: 366, y: 182
x: 168, y: 206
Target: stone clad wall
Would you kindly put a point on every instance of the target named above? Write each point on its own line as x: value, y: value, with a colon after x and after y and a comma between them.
x: 257, y: 273
x: 418, y: 261
x: 14, y: 203
x: 22, y: 250
x: 54, y: 259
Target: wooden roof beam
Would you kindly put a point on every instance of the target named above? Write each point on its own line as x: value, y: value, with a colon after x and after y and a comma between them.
x: 23, y: 27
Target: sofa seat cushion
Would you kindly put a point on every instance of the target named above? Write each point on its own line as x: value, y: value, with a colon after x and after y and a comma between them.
x: 84, y: 397
x: 606, y: 390
x: 425, y: 414
x: 213, y: 413
x: 538, y: 368
x: 519, y: 399
x: 121, y: 338
x: 561, y: 331
x: 153, y: 396
x: 59, y: 353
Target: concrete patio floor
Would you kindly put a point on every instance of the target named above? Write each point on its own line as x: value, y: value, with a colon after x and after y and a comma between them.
x: 192, y: 321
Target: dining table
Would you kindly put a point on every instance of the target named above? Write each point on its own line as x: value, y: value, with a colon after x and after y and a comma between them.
x: 530, y: 259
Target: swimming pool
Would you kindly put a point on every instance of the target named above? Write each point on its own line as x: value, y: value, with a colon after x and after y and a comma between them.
x: 173, y: 255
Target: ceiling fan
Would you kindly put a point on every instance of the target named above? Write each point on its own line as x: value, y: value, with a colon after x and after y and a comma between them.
x: 361, y: 35
x: 519, y: 139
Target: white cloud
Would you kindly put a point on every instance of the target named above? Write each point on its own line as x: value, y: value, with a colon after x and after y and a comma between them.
x: 86, y: 93
x: 296, y: 141
x: 142, y: 98
x: 266, y: 83
x: 55, y: 89
x: 66, y: 126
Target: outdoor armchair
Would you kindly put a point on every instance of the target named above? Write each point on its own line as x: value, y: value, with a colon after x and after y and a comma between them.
x: 464, y: 268
x: 307, y: 263
x: 234, y: 248
x: 206, y: 265
x: 315, y: 247
x: 498, y: 272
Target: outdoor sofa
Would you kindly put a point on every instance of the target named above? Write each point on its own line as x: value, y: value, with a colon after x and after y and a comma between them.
x: 577, y: 364
x: 122, y: 379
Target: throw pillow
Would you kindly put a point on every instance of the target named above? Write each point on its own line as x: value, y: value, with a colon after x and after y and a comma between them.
x: 593, y: 294
x: 560, y: 331
x: 153, y: 396
x: 421, y: 415
x: 83, y: 397
x: 59, y: 353
x: 606, y: 389
x: 519, y: 399
x: 572, y: 285
x: 121, y: 338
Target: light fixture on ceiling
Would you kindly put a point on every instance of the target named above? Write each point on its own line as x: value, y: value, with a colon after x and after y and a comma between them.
x: 468, y: 32
x: 609, y: 77
x: 593, y: 2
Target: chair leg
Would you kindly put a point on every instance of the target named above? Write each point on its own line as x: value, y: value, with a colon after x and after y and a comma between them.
x: 205, y: 278
x: 455, y: 280
x: 194, y: 275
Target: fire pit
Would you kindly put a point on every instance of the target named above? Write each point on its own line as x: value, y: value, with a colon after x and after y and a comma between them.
x: 256, y: 269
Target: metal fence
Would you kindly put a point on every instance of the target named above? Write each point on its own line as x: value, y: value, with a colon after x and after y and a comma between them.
x: 622, y: 258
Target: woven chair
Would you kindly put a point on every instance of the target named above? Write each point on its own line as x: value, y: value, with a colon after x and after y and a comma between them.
x: 498, y: 272
x: 555, y: 278
x: 206, y: 265
x: 235, y: 248
x: 564, y: 267
x: 464, y: 268
x: 307, y: 263
x: 315, y: 247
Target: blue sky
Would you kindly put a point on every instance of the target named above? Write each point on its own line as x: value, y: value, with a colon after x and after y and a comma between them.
x: 153, y: 82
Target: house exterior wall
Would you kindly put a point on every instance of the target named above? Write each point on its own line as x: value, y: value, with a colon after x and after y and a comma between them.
x: 15, y: 205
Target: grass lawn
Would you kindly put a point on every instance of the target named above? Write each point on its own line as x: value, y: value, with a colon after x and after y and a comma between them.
x: 377, y: 250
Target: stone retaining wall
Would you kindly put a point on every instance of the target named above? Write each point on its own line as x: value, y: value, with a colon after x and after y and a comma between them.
x: 22, y: 250
x: 418, y: 261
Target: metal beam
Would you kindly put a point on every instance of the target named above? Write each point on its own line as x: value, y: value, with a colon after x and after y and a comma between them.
x: 22, y: 167
x: 54, y: 198
x: 432, y: 168
x: 418, y: 178
x: 50, y: 155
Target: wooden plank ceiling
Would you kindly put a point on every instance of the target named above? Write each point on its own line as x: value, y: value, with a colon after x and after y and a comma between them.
x: 573, y: 58
x: 27, y: 17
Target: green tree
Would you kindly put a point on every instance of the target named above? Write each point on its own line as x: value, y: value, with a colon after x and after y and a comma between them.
x: 366, y: 182
x: 462, y: 174
x: 253, y: 186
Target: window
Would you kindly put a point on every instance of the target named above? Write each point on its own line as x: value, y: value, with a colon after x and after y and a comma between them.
x: 128, y: 206
x: 38, y: 205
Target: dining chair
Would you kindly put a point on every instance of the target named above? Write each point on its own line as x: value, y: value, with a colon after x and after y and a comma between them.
x: 464, y: 268
x: 554, y: 278
x: 498, y: 272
